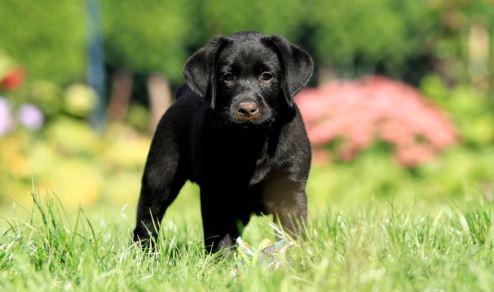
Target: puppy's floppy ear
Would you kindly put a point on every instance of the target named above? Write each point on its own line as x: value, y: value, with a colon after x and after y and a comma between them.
x: 297, y: 65
x: 199, y: 69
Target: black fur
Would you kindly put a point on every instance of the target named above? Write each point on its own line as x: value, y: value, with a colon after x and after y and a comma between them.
x: 236, y: 132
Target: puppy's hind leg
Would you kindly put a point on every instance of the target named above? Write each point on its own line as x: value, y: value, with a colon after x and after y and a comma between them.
x: 286, y: 200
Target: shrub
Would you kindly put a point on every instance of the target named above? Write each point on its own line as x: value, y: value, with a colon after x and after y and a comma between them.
x: 360, y: 113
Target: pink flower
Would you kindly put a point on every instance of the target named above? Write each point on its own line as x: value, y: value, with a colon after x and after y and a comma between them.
x: 6, y: 120
x: 30, y: 117
x: 375, y: 108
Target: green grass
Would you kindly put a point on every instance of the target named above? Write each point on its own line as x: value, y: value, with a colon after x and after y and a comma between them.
x: 368, y: 247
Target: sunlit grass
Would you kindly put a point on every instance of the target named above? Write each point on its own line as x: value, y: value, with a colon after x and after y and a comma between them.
x: 390, y: 246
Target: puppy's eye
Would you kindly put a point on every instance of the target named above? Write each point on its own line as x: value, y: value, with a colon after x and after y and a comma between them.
x: 227, y: 77
x: 266, y: 76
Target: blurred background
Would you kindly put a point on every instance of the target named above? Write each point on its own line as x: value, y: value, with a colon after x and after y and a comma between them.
x: 400, y: 107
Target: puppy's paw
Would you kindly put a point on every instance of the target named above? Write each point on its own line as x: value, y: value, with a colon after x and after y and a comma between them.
x: 145, y: 239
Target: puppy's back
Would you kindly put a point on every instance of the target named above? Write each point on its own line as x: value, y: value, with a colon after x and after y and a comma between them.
x: 186, y: 100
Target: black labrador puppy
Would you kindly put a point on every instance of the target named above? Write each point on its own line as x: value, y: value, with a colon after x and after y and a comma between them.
x: 234, y: 130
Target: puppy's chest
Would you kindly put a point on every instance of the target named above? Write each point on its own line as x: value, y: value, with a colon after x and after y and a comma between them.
x: 238, y: 164
x: 263, y: 168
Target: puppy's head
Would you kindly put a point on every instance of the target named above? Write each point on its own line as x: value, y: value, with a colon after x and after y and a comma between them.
x: 249, y: 78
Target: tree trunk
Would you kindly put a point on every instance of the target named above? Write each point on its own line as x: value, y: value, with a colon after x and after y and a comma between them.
x: 121, y: 88
x: 160, y: 97
x: 326, y: 74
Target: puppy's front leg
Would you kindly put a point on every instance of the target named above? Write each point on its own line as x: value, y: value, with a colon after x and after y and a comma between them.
x: 159, y: 189
x: 220, y: 223
x: 162, y: 180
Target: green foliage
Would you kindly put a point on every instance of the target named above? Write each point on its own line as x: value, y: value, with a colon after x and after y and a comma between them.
x: 270, y: 17
x: 399, y: 38
x: 365, y: 34
x: 75, y: 101
x: 147, y: 35
x: 471, y: 109
x: 68, y: 157
x: 47, y: 37
x: 457, y: 172
x: 80, y: 100
x: 46, y: 95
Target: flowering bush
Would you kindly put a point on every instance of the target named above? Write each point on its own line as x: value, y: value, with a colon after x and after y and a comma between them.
x: 6, y: 120
x: 45, y: 137
x: 13, y: 79
x: 28, y: 115
x: 360, y: 113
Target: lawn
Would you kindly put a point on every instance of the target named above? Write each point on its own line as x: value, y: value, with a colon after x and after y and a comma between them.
x: 403, y: 242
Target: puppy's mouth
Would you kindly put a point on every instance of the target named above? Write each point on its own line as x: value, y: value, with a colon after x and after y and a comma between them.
x: 241, y: 119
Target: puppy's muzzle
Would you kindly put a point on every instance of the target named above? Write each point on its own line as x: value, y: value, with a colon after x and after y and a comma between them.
x: 247, y: 110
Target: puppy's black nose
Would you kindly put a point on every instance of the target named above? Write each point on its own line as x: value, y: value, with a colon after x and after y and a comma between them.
x: 247, y: 109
